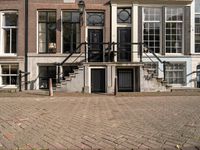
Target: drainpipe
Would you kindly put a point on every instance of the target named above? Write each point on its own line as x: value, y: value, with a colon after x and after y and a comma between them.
x: 26, y: 43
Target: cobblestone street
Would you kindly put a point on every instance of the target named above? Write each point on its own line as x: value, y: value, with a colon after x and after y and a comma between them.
x: 100, y: 122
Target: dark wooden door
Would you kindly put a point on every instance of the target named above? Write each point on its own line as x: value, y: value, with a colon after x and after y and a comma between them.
x: 95, y: 45
x: 124, y: 44
x: 97, y: 80
x: 125, y: 80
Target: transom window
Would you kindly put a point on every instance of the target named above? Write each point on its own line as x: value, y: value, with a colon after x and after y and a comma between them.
x: 175, y: 73
x: 124, y: 15
x: 9, y: 74
x: 95, y: 19
x: 71, y: 31
x: 47, y: 32
x: 174, y: 30
x: 9, y: 32
x: 151, y: 28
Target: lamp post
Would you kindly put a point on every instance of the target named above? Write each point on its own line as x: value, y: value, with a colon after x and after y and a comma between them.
x: 81, y: 6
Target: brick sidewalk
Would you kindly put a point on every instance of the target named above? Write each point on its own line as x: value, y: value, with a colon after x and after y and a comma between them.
x: 100, y: 122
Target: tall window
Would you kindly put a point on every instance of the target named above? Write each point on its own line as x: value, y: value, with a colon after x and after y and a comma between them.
x: 9, y: 74
x: 175, y: 73
x: 9, y: 32
x: 47, y: 32
x: 151, y: 28
x: 197, y: 26
x: 71, y: 31
x: 174, y: 30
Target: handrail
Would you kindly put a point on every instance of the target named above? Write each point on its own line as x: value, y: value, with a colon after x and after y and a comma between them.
x: 79, y: 46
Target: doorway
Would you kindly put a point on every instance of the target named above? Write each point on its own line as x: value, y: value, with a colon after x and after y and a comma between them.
x: 128, y: 79
x: 124, y: 46
x: 95, y: 45
x: 98, y: 80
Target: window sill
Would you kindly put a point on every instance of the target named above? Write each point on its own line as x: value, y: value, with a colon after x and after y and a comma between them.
x: 8, y: 55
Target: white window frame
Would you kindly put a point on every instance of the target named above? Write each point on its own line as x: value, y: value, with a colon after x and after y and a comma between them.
x: 3, y: 75
x: 183, y: 21
x: 143, y: 21
x: 184, y: 73
x: 2, y: 53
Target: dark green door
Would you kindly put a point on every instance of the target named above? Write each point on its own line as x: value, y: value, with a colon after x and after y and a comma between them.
x: 98, y: 80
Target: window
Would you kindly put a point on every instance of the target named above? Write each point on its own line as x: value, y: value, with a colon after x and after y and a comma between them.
x: 175, y: 73
x: 151, y: 28
x: 9, y: 74
x: 9, y: 32
x: 71, y: 31
x: 47, y: 32
x: 197, y: 33
x: 197, y: 26
x: 95, y: 19
x: 174, y: 30
x: 151, y: 67
x: 124, y: 15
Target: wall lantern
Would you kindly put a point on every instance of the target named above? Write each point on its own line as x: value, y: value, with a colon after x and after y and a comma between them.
x: 81, y: 6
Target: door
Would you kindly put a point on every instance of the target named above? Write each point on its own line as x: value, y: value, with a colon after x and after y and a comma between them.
x: 124, y: 46
x: 125, y: 80
x: 98, y: 80
x: 46, y: 72
x: 198, y: 76
x: 95, y: 45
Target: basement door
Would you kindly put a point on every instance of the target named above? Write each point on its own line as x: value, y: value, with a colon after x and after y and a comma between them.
x: 128, y: 79
x: 198, y: 76
x: 98, y: 80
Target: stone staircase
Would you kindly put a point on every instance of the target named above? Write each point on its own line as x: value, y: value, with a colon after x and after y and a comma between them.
x: 73, y: 82
x: 152, y: 83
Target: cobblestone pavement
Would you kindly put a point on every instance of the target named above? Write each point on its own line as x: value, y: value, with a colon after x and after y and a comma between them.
x: 101, y: 122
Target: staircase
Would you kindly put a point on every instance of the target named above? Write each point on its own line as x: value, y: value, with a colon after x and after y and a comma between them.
x: 72, y: 80
x: 152, y: 83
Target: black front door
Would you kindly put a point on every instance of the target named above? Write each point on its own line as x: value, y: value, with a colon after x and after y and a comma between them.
x: 97, y: 80
x: 95, y: 45
x: 124, y: 46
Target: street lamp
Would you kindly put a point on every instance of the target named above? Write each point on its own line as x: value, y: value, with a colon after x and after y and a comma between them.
x: 81, y: 6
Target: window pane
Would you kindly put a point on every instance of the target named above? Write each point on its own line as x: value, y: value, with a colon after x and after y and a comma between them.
x: 42, y: 37
x: 52, y: 37
x: 13, y: 80
x: 14, y: 40
x: 6, y: 80
x: 42, y: 16
x: 14, y: 69
x: 10, y: 19
x: 6, y: 37
x: 174, y: 14
x: 5, y: 69
x: 197, y: 6
x: 52, y: 16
